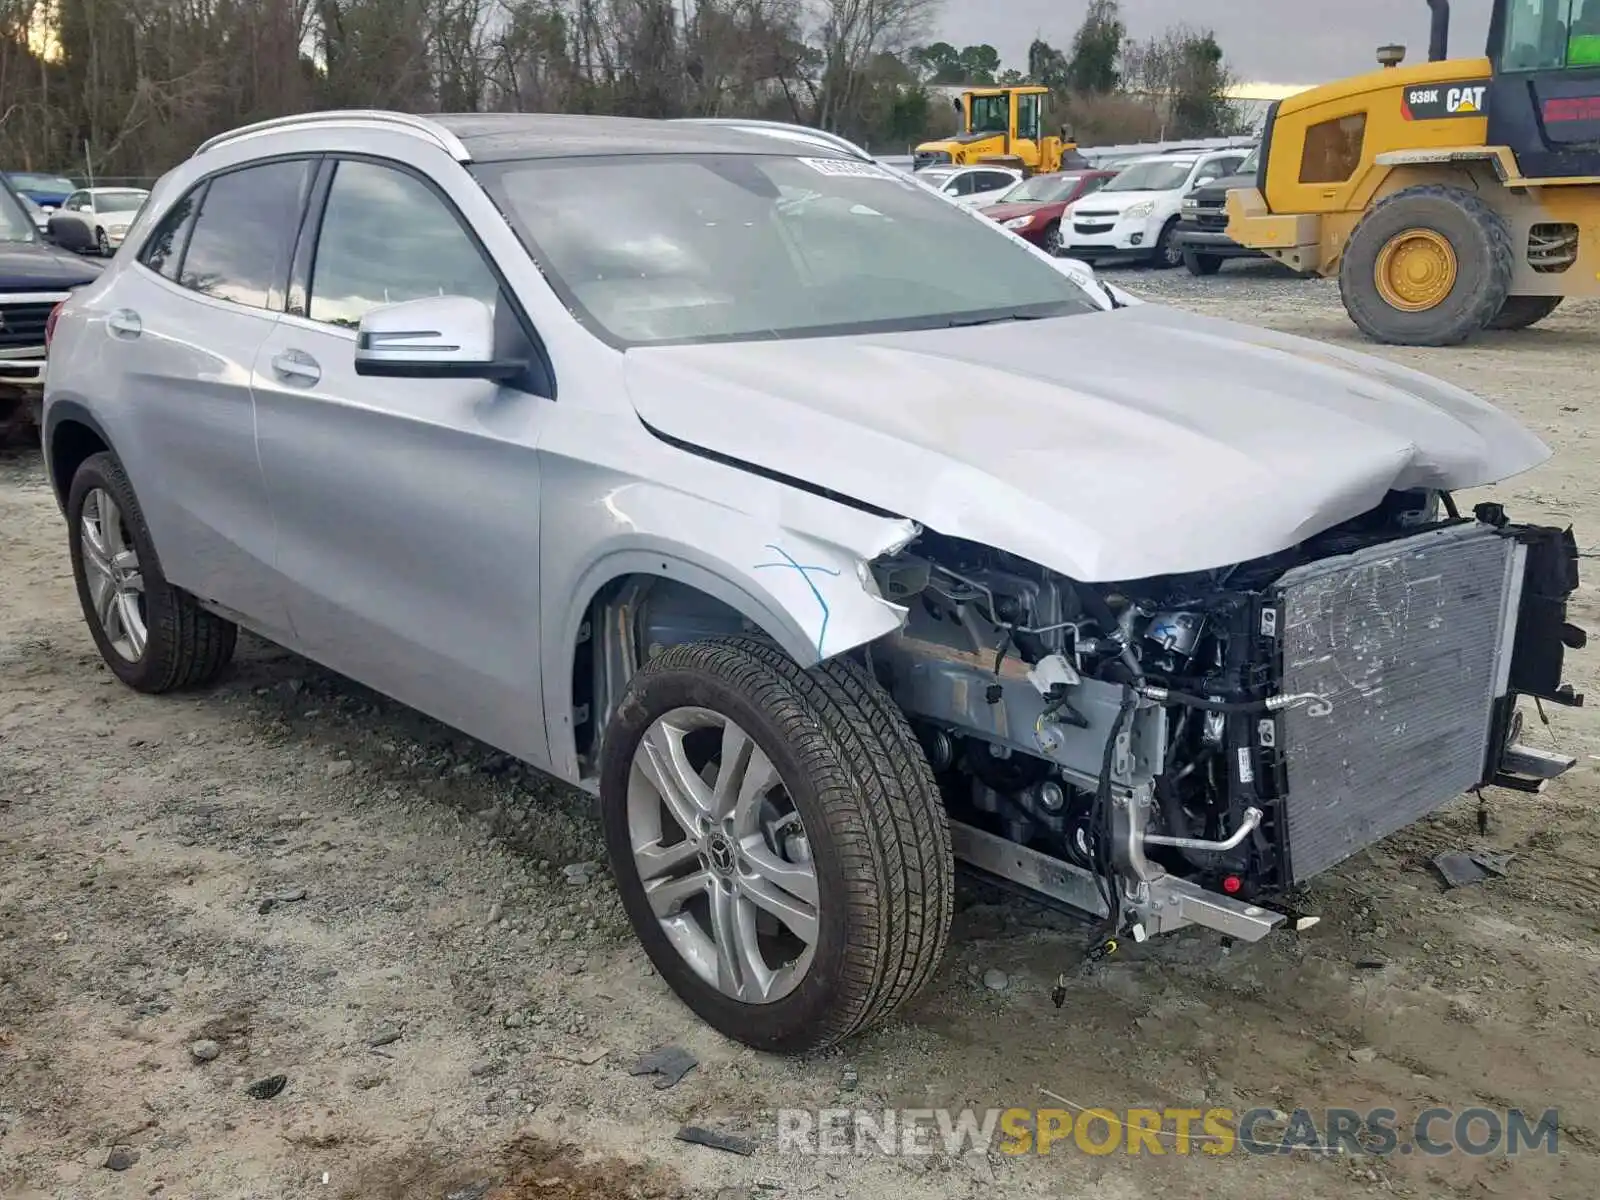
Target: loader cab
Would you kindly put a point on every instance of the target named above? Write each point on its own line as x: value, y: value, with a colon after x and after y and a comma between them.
x: 1544, y: 93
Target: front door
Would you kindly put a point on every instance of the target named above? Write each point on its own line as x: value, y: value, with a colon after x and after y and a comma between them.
x: 407, y: 510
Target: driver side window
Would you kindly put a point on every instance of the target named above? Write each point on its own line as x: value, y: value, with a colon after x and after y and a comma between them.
x: 386, y: 237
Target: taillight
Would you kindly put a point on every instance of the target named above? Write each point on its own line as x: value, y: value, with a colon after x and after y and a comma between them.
x: 50, y: 323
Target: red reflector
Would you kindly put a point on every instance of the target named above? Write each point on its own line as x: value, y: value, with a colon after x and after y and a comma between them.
x: 1232, y: 884
x: 50, y: 323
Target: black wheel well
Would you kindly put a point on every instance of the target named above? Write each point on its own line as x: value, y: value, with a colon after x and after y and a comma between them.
x: 71, y: 442
x: 629, y: 621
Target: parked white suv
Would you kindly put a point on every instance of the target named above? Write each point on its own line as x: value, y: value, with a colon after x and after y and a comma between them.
x: 1134, y: 216
x: 971, y: 187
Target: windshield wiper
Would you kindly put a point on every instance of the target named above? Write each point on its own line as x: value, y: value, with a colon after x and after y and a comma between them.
x: 962, y: 322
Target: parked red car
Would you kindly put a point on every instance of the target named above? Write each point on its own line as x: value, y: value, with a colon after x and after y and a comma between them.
x: 1033, y: 208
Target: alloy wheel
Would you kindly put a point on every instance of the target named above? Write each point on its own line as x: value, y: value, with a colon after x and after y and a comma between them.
x: 723, y: 855
x: 116, y: 584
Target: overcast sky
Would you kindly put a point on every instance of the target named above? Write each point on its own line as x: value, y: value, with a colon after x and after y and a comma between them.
x: 1272, y: 41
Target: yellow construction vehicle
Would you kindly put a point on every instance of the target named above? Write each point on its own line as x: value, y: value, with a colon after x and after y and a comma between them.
x: 1448, y: 197
x: 1003, y: 126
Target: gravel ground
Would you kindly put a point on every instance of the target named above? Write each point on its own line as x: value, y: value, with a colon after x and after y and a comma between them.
x: 288, y: 876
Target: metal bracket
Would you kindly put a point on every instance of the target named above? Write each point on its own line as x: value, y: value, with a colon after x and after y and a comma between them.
x: 1162, y: 904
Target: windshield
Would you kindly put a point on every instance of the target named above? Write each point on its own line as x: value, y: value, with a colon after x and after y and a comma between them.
x: 41, y: 183
x: 935, y: 176
x: 15, y: 223
x: 118, y: 202
x: 660, y: 249
x: 1041, y: 189
x: 1158, y: 176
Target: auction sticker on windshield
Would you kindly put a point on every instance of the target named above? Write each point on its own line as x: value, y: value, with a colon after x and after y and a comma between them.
x: 848, y: 166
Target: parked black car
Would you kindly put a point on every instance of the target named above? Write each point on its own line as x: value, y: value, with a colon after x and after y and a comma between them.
x: 1202, y: 230
x: 35, y: 276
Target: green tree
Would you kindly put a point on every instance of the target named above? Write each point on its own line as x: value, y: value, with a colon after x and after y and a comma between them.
x: 938, y: 63
x: 979, y: 65
x: 1046, y: 64
x: 942, y: 63
x: 1091, y: 68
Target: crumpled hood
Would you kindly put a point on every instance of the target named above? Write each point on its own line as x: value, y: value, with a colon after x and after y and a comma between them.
x: 1109, y: 446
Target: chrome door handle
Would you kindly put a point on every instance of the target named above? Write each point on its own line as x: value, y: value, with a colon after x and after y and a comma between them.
x: 124, y: 323
x: 296, y: 366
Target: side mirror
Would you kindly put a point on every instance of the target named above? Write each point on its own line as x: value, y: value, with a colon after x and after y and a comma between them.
x: 435, y: 337
x: 1205, y: 179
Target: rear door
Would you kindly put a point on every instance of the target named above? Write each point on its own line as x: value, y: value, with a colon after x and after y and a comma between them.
x: 407, y: 510
x: 182, y: 332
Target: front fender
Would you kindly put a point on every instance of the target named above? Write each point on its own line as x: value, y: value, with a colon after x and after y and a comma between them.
x: 802, y: 580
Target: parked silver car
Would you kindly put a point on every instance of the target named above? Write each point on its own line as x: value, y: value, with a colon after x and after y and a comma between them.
x: 823, y: 531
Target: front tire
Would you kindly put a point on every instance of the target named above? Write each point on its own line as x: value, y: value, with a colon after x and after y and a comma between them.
x: 154, y: 636
x: 102, y: 243
x: 1052, y: 239
x: 778, y: 841
x: 1167, y: 254
x: 1427, y: 266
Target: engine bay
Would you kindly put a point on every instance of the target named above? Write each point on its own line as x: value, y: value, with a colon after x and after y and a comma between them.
x: 1135, y: 731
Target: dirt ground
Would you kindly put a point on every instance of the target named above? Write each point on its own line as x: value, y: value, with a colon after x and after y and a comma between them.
x: 332, y: 889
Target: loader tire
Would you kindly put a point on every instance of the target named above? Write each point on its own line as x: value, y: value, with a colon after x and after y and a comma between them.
x: 1519, y: 312
x: 1427, y: 266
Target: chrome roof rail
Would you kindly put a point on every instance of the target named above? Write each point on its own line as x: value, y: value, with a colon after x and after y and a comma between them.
x: 782, y: 128
x: 370, y: 117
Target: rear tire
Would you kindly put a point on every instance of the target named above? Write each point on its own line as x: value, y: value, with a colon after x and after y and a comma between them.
x: 1519, y: 312
x: 844, y: 762
x: 154, y: 637
x: 1463, y: 272
x: 1201, y: 264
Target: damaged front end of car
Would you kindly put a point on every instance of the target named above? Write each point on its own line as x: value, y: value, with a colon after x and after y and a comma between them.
x: 1185, y: 749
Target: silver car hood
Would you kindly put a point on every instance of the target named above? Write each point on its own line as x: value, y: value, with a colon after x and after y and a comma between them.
x: 1108, y: 446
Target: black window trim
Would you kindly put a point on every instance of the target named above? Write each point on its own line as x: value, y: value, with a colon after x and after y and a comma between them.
x: 304, y: 261
x: 202, y: 189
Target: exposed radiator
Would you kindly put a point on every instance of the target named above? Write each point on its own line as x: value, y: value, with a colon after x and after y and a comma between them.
x: 1409, y: 643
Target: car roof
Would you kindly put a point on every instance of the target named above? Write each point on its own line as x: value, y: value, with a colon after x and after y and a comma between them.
x: 502, y: 137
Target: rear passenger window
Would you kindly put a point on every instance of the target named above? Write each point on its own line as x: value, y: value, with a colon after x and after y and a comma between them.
x: 386, y: 237
x: 244, y: 236
x: 163, y: 250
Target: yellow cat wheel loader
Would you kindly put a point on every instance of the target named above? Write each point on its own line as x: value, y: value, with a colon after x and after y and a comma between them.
x: 1448, y: 197
x: 1003, y: 126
